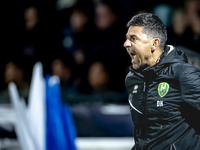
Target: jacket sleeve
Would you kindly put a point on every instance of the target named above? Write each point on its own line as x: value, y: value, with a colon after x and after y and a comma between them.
x: 190, y: 85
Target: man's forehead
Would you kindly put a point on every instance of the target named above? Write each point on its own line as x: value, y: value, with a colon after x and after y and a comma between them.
x: 135, y: 29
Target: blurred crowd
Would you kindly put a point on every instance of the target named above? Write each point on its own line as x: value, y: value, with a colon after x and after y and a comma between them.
x: 81, y: 41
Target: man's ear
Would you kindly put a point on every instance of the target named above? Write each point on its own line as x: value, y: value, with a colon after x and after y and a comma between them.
x: 155, y: 44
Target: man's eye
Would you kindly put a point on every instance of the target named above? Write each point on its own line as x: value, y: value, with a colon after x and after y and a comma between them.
x: 133, y: 37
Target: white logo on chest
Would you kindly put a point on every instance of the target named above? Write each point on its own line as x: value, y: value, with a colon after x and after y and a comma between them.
x: 159, y: 103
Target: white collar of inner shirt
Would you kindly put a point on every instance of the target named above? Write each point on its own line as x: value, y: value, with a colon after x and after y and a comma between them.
x: 170, y: 49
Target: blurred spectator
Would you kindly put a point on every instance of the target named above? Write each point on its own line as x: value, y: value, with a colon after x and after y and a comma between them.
x: 31, y: 34
x: 105, y: 16
x: 99, y: 81
x: 108, y: 39
x: 98, y: 77
x: 61, y: 70
x: 179, y: 22
x: 99, y: 90
x: 186, y: 25
x: 193, y: 17
x: 37, y: 39
x: 31, y: 17
x: 78, y: 33
x: 14, y: 72
x: 65, y: 69
x: 77, y: 37
x: 178, y: 26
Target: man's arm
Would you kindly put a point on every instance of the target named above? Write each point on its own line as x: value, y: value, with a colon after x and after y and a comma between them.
x: 190, y: 85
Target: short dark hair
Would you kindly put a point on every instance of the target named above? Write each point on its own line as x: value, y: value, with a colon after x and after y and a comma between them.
x: 153, y: 27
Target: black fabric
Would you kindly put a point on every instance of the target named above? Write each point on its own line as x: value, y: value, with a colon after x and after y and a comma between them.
x: 170, y: 121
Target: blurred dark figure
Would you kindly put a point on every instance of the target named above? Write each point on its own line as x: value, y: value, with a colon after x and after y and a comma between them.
x: 98, y: 77
x: 31, y: 35
x: 193, y: 21
x: 99, y: 81
x: 107, y: 46
x: 77, y: 34
x: 31, y: 16
x: 77, y: 38
x: 108, y: 36
x: 105, y: 16
x: 186, y: 25
x: 98, y: 88
x: 37, y: 39
x: 15, y: 72
x: 64, y: 68
x: 61, y: 70
x: 179, y: 22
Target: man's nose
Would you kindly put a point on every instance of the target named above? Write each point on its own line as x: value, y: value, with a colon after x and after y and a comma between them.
x: 127, y: 43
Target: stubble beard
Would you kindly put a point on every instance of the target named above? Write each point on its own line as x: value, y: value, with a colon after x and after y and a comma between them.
x: 139, y: 65
x: 136, y: 65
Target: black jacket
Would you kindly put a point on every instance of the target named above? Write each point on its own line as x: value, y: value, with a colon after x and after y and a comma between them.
x: 165, y: 103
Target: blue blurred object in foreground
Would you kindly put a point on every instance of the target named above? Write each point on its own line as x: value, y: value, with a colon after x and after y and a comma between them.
x: 60, y: 132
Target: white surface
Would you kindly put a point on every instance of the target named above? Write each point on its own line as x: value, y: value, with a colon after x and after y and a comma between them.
x: 84, y: 143
x: 95, y: 143
x: 112, y: 109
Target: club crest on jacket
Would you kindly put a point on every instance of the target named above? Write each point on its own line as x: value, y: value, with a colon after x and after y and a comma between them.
x: 163, y: 88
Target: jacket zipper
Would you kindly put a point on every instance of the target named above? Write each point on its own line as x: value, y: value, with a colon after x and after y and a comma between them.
x: 144, y: 99
x: 144, y: 87
x: 144, y: 104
